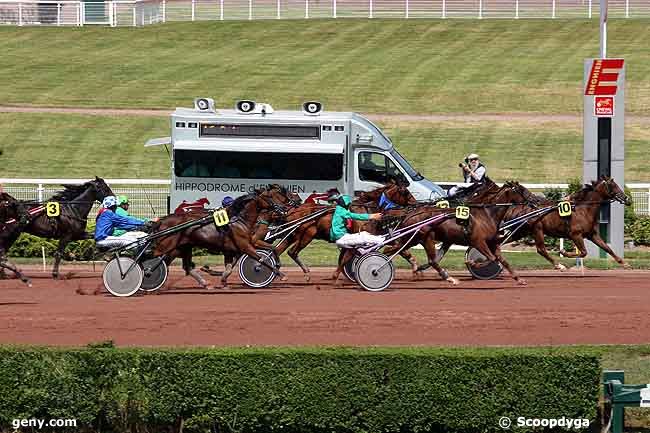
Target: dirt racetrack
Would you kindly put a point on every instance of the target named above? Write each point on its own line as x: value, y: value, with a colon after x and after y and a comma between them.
x: 555, y: 308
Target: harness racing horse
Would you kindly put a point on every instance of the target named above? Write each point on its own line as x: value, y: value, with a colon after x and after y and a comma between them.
x: 319, y: 227
x: 9, y: 216
x: 481, y: 230
x: 581, y: 224
x: 232, y: 240
x: 75, y: 202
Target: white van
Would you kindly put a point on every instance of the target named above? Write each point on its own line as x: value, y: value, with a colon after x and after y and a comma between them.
x: 218, y: 153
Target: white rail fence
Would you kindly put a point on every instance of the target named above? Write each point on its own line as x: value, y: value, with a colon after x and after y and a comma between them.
x: 144, y: 12
x: 148, y: 197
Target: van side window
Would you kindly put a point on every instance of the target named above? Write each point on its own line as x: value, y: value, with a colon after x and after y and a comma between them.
x: 258, y: 165
x: 377, y: 167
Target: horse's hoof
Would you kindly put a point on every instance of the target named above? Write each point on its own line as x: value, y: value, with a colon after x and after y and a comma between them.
x: 560, y: 267
x: 338, y: 283
x: 334, y: 276
x: 627, y: 266
x: 284, y: 278
x: 453, y: 281
x: 307, y: 278
x: 522, y: 282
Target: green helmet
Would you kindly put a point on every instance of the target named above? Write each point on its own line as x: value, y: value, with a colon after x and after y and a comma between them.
x: 122, y: 199
x: 344, y: 201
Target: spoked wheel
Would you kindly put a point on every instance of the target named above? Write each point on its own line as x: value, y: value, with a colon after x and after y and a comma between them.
x: 349, y: 269
x: 487, y: 271
x: 120, y: 282
x: 155, y: 274
x: 253, y: 273
x: 374, y: 271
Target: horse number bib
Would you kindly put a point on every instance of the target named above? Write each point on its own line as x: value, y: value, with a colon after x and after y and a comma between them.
x: 462, y: 212
x: 53, y: 208
x: 564, y: 208
x: 220, y: 217
x: 442, y: 204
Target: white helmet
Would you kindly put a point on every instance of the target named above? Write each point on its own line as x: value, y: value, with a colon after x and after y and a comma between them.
x: 472, y: 156
x: 109, y: 201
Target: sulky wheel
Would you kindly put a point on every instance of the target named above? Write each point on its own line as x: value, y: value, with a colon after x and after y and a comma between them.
x: 350, y: 267
x: 155, y: 274
x: 488, y: 271
x: 374, y: 271
x: 122, y: 276
x: 254, y: 274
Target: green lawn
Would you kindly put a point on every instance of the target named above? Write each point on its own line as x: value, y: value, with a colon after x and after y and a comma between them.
x: 80, y: 146
x: 372, y: 66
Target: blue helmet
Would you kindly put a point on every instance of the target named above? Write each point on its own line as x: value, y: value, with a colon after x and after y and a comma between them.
x: 227, y: 201
x: 109, y: 201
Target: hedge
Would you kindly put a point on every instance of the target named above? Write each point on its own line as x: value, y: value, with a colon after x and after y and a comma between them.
x: 296, y: 390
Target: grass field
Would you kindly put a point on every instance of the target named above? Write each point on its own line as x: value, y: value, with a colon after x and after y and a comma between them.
x: 81, y: 146
x: 371, y: 66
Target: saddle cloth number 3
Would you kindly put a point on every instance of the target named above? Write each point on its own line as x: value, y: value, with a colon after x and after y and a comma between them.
x: 564, y: 208
x: 220, y: 217
x: 53, y: 208
x: 462, y: 212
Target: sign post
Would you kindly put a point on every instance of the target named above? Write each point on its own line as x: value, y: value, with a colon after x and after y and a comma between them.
x: 604, y: 144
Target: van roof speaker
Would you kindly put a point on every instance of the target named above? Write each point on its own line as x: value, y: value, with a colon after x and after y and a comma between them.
x: 312, y: 108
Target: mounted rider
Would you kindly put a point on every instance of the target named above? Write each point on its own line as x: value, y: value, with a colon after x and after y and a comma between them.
x: 109, y: 220
x: 473, y: 172
x: 339, y: 232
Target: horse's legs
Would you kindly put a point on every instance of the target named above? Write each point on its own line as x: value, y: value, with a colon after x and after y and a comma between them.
x: 595, y: 238
x: 58, y: 255
x: 430, y: 248
x: 440, y: 254
x: 188, y: 267
x: 504, y: 262
x: 305, y: 239
x: 5, y: 264
x: 347, y: 256
x: 410, y: 258
x: 538, y: 233
x: 228, y: 260
x: 579, y: 242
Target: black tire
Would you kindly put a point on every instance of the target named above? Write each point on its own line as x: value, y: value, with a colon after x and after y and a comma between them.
x: 486, y: 272
x: 155, y: 274
x: 253, y: 274
x: 349, y: 270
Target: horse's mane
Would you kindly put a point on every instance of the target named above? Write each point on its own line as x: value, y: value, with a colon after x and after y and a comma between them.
x: 70, y: 192
x: 587, y: 188
x: 238, y: 205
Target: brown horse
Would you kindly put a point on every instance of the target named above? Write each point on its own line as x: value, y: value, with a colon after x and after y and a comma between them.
x: 231, y: 240
x: 481, y: 231
x: 580, y: 225
x: 75, y: 203
x: 319, y: 227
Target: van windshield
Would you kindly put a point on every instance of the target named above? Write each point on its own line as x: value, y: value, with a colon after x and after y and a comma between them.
x: 259, y: 165
x: 413, y: 173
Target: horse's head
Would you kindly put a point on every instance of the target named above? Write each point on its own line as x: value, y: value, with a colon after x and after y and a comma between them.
x: 272, y: 198
x: 515, y: 193
x: 609, y: 189
x: 399, y: 194
x: 293, y: 199
x: 100, y: 187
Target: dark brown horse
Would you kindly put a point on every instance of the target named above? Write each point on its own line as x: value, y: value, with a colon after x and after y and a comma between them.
x: 231, y: 240
x: 481, y: 231
x: 75, y: 202
x: 580, y: 225
x: 10, y: 214
x: 319, y: 228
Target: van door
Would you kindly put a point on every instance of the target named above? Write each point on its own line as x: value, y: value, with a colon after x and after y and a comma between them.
x: 373, y: 169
